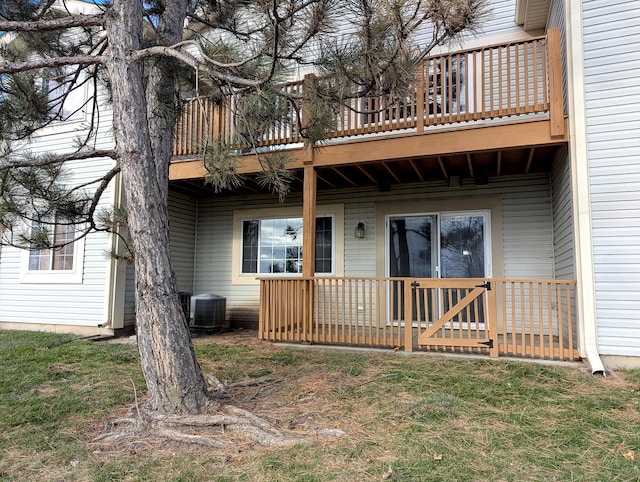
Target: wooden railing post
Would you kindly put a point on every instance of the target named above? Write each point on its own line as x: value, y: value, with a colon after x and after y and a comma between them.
x: 264, y: 322
x: 305, y: 116
x: 493, y: 318
x: 556, y: 108
x: 421, y: 99
x: 408, y: 316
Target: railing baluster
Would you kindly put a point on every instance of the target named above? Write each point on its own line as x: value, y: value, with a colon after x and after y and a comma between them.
x: 535, y: 76
x: 532, y: 331
x: 573, y: 353
x: 369, y: 312
x: 518, y: 88
x: 499, y: 87
x: 525, y: 54
x: 552, y: 325
x: 560, y: 321
x: 541, y: 322
x: 523, y: 320
x: 333, y: 314
x: 317, y: 310
x: 514, y: 323
x: 502, y: 321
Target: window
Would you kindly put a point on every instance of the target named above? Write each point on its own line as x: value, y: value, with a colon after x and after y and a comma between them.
x: 54, y: 259
x: 274, y: 245
x: 54, y: 265
x: 67, y: 93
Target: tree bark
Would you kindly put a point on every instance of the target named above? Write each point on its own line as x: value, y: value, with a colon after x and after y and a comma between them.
x: 174, y: 378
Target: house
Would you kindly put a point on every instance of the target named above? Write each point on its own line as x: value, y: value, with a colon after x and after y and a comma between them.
x: 495, y: 211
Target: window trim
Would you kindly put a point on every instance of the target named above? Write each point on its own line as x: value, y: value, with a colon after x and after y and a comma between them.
x: 78, y: 122
x: 258, y: 260
x: 493, y: 204
x: 58, y: 276
x: 336, y: 211
x: 439, y: 215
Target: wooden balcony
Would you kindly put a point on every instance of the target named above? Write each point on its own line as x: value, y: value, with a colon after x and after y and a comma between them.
x: 524, y: 318
x: 506, y: 96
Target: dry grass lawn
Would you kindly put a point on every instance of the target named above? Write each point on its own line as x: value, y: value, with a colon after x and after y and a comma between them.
x: 367, y: 415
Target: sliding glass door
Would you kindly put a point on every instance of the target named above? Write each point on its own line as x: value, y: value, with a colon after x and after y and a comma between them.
x: 441, y: 245
x: 435, y: 245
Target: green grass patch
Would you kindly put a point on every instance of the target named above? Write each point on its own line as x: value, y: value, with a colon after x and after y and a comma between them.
x: 404, y: 417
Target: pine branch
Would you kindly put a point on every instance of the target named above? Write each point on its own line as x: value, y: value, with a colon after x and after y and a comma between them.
x: 52, y: 25
x: 41, y: 63
x: 53, y: 159
x: 104, y: 183
x: 194, y: 63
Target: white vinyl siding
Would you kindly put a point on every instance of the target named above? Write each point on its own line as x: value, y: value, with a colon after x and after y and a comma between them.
x: 358, y: 252
x: 527, y: 232
x: 612, y: 84
x: 501, y: 19
x: 57, y: 303
x: 527, y: 226
x: 182, y: 236
x: 214, y: 257
x: 562, y: 216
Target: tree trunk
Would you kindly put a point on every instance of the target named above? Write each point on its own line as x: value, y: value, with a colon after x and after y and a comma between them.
x: 174, y: 378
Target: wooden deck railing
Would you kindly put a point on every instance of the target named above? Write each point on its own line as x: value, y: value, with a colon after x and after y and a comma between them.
x: 496, y: 81
x: 514, y: 317
x: 538, y: 318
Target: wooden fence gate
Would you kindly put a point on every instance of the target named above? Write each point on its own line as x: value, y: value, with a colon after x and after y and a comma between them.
x: 454, y: 313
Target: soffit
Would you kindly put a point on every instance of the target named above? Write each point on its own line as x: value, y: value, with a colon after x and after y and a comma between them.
x: 481, y: 166
x: 532, y: 14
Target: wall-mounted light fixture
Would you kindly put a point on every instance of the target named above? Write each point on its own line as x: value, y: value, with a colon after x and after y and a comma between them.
x: 454, y: 182
x: 360, y: 230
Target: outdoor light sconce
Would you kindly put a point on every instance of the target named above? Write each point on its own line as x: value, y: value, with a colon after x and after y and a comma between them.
x: 360, y: 230
x: 454, y: 182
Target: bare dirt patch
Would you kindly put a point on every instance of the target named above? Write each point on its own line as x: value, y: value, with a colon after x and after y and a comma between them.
x: 294, y: 405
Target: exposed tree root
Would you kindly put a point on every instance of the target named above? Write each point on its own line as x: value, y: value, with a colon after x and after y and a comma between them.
x: 224, y: 427
x: 208, y: 430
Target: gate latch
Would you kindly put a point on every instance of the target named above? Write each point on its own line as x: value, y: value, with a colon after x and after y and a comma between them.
x: 415, y: 284
x: 486, y: 285
x: 488, y: 343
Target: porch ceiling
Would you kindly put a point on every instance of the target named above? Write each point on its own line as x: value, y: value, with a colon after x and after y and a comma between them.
x: 478, y: 165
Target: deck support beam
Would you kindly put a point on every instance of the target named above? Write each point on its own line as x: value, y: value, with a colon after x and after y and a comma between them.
x: 309, y: 222
x: 308, y: 244
x: 410, y: 146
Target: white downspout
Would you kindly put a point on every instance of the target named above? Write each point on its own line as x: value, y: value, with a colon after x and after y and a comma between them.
x: 585, y: 291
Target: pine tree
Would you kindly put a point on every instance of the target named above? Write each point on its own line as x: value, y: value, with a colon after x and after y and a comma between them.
x: 148, y: 55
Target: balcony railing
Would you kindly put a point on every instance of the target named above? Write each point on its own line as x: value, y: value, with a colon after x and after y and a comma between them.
x: 516, y: 317
x: 496, y: 81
